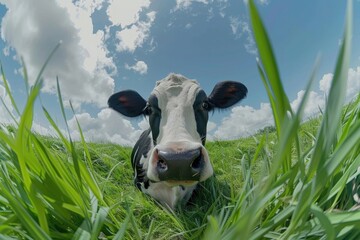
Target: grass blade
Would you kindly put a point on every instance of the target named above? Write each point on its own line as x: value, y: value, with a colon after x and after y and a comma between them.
x: 272, y: 82
x: 335, y: 101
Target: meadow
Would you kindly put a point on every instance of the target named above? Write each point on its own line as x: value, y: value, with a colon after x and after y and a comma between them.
x: 298, y: 180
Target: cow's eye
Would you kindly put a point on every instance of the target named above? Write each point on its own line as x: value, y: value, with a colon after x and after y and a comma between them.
x: 148, y: 110
x: 205, y: 105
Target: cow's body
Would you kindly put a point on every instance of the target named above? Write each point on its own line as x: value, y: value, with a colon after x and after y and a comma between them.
x: 169, y: 159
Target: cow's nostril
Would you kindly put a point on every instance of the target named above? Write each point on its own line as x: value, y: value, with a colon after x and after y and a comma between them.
x: 162, y: 165
x: 198, y: 163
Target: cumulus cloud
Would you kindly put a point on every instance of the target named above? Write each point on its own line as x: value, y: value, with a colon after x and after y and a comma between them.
x: 107, y: 126
x: 45, y: 131
x: 144, y: 124
x: 126, y: 16
x: 315, y: 102
x: 126, y: 13
x: 353, y: 83
x: 140, y: 67
x: 34, y: 27
x: 211, y: 126
x: 245, y: 120
x: 134, y: 36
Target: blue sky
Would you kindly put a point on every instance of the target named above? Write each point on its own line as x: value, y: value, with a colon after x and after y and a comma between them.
x: 110, y: 45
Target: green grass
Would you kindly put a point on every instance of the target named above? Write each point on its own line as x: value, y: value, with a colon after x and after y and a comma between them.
x: 297, y: 181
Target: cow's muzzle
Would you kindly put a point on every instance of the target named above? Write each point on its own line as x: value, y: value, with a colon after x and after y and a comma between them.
x: 172, y: 165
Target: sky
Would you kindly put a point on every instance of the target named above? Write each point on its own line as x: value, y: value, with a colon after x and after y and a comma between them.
x: 107, y: 46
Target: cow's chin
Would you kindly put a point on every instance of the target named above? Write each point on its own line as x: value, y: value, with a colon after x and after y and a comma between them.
x: 174, y: 183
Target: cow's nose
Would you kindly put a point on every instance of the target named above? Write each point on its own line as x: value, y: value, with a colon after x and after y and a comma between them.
x: 180, y: 166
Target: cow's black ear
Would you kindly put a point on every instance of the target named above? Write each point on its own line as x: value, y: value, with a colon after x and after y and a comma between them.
x: 128, y: 103
x: 227, y: 93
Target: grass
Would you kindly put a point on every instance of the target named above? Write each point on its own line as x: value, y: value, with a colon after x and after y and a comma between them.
x: 299, y: 181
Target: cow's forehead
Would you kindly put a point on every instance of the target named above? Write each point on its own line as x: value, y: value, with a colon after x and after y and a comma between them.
x: 176, y: 86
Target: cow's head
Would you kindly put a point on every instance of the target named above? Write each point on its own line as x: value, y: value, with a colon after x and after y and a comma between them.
x: 178, y: 111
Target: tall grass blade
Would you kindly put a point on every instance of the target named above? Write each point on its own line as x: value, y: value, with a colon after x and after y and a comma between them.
x: 8, y: 91
x: 326, y: 137
x: 26, y: 219
x: 335, y: 101
x: 26, y: 77
x: 271, y: 78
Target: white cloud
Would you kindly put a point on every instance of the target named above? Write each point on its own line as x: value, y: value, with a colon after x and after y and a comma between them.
x: 34, y: 27
x: 353, y: 83
x: 140, y: 67
x: 241, y: 28
x: 217, y: 6
x: 6, y: 51
x: 45, y: 131
x: 325, y: 82
x: 126, y: 13
x: 107, y: 126
x: 234, y: 24
x: 89, y: 5
x: 223, y: 4
x: 244, y: 121
x: 211, y: 126
x: 144, y: 124
x: 250, y: 45
x: 184, y: 4
x: 134, y: 36
x: 315, y: 102
x: 264, y: 2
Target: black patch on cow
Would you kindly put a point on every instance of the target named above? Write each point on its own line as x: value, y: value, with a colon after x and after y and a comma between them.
x: 128, y: 103
x: 201, y: 114
x: 141, y: 149
x: 154, y: 112
x: 227, y: 93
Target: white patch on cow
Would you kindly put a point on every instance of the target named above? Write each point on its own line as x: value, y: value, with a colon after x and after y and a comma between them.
x: 176, y: 95
x: 168, y: 195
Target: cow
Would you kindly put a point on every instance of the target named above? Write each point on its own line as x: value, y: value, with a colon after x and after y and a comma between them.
x: 170, y: 158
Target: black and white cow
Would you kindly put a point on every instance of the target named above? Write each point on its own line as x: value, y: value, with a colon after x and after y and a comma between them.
x: 170, y: 159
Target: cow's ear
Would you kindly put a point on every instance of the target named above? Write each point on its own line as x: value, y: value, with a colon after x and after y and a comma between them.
x: 128, y: 103
x: 227, y: 93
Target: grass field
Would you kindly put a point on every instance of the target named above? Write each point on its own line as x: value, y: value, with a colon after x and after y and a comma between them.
x: 298, y: 181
